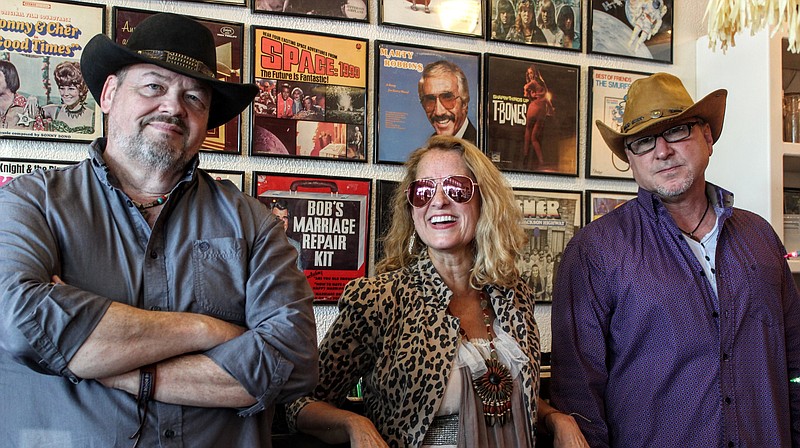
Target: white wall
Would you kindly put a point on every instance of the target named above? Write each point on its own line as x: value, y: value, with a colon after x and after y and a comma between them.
x: 687, y: 28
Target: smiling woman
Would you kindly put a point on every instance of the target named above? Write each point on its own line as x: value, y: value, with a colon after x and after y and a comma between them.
x: 72, y: 115
x: 450, y: 274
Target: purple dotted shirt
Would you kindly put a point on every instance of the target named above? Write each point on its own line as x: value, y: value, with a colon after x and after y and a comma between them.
x: 643, y: 350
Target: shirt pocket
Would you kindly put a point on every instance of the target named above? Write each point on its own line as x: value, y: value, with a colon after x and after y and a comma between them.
x: 220, y: 277
x: 766, y: 292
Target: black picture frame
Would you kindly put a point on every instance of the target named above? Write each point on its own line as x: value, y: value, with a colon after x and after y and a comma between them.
x: 229, y: 39
x: 599, y: 202
x: 384, y: 192
x: 403, y: 124
x: 607, y: 90
x: 464, y: 18
x: 234, y: 176
x: 565, y: 32
x: 550, y: 218
x: 328, y: 220
x: 532, y: 115
x: 11, y: 168
x: 329, y: 74
x: 221, y: 2
x: 349, y: 10
x: 631, y: 29
x: 50, y: 36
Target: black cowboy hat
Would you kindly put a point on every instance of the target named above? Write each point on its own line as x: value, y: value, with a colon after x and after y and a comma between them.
x: 176, y: 43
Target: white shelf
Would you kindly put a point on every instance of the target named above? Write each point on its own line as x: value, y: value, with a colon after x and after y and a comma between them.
x: 751, y: 159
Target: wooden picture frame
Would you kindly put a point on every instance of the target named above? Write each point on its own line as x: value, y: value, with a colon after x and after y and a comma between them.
x: 327, y: 222
x: 328, y: 75
x: 551, y: 23
x: 637, y: 29
x: 464, y: 17
x: 607, y: 91
x: 41, y: 50
x: 532, y: 119
x: 229, y: 40
x: 550, y: 218
x: 403, y: 123
x: 598, y: 203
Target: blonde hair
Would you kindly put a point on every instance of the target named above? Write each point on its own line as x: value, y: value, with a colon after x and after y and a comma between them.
x: 499, y: 236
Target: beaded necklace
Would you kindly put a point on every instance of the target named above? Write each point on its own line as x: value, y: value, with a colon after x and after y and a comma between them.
x: 160, y: 200
x: 495, y: 386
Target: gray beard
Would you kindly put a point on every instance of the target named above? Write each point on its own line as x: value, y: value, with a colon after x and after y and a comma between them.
x: 157, y: 155
x: 679, y: 190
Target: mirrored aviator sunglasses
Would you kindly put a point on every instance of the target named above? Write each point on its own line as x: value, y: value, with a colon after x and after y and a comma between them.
x: 459, y: 189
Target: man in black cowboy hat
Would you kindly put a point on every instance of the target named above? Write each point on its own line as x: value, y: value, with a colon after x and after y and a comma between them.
x: 142, y: 299
x: 676, y: 321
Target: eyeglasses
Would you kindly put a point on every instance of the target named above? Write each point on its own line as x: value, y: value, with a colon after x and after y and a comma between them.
x: 460, y: 189
x: 674, y: 134
x: 448, y: 100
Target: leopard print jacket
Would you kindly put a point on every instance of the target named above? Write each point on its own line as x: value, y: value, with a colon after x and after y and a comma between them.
x: 394, y: 331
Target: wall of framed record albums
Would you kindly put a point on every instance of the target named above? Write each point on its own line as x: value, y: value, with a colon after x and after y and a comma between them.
x: 339, y: 107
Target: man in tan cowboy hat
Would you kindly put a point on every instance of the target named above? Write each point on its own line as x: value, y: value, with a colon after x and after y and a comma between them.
x: 143, y: 302
x: 676, y: 322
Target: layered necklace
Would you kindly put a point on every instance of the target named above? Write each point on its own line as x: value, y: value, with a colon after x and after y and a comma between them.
x: 495, y: 386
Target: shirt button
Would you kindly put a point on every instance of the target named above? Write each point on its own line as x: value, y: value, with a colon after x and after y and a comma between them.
x: 169, y: 433
x: 153, y: 255
x: 155, y: 308
x: 727, y: 400
x: 730, y: 443
x: 713, y: 271
x: 203, y: 246
x: 725, y: 357
x: 715, y: 314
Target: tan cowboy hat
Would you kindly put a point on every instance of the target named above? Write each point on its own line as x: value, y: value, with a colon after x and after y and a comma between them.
x: 655, y: 103
x: 176, y: 43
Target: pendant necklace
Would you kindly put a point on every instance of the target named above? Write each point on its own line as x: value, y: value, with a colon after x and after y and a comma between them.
x: 160, y: 200
x: 702, y: 218
x: 495, y: 386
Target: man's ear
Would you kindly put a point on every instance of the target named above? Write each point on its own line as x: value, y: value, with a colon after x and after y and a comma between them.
x: 109, y: 91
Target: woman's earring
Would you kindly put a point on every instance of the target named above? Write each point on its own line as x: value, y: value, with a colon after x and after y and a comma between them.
x: 411, y: 242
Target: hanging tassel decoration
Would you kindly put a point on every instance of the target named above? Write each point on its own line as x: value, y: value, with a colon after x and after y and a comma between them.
x: 726, y: 18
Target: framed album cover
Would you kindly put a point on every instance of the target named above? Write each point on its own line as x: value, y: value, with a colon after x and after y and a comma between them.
x: 384, y: 191
x: 550, y: 218
x: 11, y: 168
x: 357, y: 10
x: 607, y: 90
x: 326, y: 220
x: 229, y: 39
x: 44, y: 96
x: 423, y: 91
x: 639, y: 29
x: 598, y: 203
x: 237, y: 177
x: 464, y: 17
x: 532, y: 115
x: 549, y: 23
x: 313, y: 94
